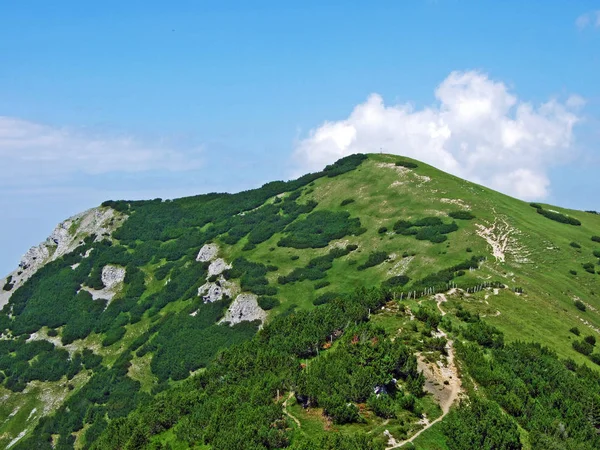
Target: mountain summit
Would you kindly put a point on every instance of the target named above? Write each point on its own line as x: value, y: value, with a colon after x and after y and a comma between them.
x: 379, y: 303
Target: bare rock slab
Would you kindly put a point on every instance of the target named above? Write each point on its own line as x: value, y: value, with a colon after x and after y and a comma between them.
x: 244, y: 309
x: 207, y: 253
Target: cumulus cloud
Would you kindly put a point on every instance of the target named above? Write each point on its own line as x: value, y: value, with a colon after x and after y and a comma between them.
x: 478, y: 130
x: 589, y: 19
x: 34, y: 152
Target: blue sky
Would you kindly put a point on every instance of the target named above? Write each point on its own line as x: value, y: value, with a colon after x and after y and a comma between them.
x: 146, y: 99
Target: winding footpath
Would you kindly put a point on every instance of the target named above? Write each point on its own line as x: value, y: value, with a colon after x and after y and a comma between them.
x: 450, y: 373
x: 285, y: 411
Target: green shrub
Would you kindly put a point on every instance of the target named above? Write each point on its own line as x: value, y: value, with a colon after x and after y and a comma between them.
x: 398, y: 280
x: 407, y: 164
x: 9, y: 284
x: 407, y: 402
x: 294, y: 257
x: 573, y: 272
x: 347, y: 201
x: 161, y: 272
x: 435, y: 238
x: 596, y: 238
x: 484, y: 334
x: 382, y: 406
x: 595, y: 357
x: 95, y: 279
x: 461, y: 215
x: 325, y: 298
x: 402, y: 225
x: 317, y: 267
x: 89, y: 359
x: 583, y: 347
x: 589, y: 267
x: 319, y: 228
x: 469, y: 250
x: 346, y: 164
x: 321, y: 284
x: 268, y: 303
x: 596, y: 253
x: 374, y: 259
x: 340, y: 411
x: 575, y: 245
x: 481, y: 424
x: 52, y: 332
x: 570, y: 364
x: 113, y: 335
x: 252, y: 276
x: 575, y: 331
x: 432, y: 229
x: 382, y: 230
x: 248, y: 246
x: 558, y: 217
x: 531, y: 384
x: 425, y: 315
x: 590, y: 340
x: 536, y: 205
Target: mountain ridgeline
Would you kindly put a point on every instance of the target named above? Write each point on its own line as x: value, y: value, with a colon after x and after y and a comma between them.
x: 379, y: 303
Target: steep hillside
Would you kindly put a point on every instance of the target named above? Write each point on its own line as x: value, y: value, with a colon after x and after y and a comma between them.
x: 381, y: 288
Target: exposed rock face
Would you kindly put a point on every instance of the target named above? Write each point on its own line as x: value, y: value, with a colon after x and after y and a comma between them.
x: 214, y: 291
x: 244, y: 309
x: 245, y: 306
x: 35, y: 256
x: 210, y: 292
x: 217, y: 267
x: 64, y: 239
x: 112, y: 275
x: 112, y: 278
x: 207, y: 253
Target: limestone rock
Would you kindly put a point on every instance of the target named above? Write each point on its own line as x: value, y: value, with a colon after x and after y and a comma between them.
x: 112, y: 275
x: 215, y: 291
x: 244, y: 309
x: 67, y: 236
x: 217, y: 267
x: 207, y: 253
x: 112, y: 278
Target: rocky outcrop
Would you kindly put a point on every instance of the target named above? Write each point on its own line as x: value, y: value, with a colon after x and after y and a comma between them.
x: 245, y: 306
x: 207, y: 253
x: 217, y: 267
x: 213, y: 291
x: 244, y: 309
x: 67, y: 236
x: 112, y: 279
x: 216, y: 290
x: 112, y: 276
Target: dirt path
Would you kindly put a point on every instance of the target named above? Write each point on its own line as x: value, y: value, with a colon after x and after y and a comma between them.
x: 285, y: 411
x: 435, y: 375
x: 441, y: 298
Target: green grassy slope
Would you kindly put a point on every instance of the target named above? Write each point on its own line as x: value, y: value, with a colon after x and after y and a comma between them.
x: 538, y: 256
x: 538, y: 261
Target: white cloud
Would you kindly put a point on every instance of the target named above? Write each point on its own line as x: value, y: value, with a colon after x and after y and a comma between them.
x: 35, y: 153
x: 478, y: 130
x: 591, y: 18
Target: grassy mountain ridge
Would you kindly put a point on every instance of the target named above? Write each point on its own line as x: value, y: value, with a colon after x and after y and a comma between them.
x: 299, y: 246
